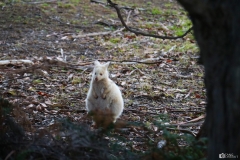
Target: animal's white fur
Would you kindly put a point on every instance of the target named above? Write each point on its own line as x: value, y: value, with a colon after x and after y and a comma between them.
x: 103, y: 92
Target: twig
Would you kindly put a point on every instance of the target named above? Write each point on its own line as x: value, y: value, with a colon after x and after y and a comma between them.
x: 106, y: 24
x: 181, y: 130
x: 97, y: 33
x: 115, y: 6
x: 135, y: 130
x: 129, y: 13
x: 157, y: 60
x: 188, y: 124
x: 92, y: 34
x: 54, y: 1
x: 185, y: 111
x: 9, y: 155
x: 194, y: 120
x: 149, y: 138
x: 182, y: 76
x: 171, y: 66
x: 136, y: 69
x: 188, y: 94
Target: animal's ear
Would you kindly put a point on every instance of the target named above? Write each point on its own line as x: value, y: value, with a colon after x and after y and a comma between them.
x: 96, y: 63
x: 106, y: 64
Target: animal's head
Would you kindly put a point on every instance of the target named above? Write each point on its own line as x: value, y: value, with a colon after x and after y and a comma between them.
x: 100, y: 71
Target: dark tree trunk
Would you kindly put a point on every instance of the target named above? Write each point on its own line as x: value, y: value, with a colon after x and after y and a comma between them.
x: 216, y: 26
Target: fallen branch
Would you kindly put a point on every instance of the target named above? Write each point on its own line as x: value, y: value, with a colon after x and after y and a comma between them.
x: 182, y: 76
x: 182, y: 130
x: 136, y: 69
x: 115, y: 6
x: 9, y: 155
x: 20, y: 61
x: 188, y: 124
x: 186, y: 111
x: 145, y: 61
x: 194, y: 120
x: 106, y: 24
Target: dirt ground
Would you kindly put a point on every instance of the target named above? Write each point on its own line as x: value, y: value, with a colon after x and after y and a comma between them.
x: 156, y: 76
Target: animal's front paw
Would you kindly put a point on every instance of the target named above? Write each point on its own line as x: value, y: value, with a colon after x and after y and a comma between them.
x: 96, y: 97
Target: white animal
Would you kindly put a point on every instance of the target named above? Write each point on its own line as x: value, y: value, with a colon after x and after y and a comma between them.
x: 104, y: 95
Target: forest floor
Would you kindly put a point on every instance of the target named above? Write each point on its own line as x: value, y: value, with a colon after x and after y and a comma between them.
x: 158, y: 78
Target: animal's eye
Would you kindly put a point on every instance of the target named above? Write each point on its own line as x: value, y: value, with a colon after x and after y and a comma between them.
x: 100, y: 74
x: 95, y: 73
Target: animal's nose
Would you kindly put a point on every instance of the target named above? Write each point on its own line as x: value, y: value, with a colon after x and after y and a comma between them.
x: 96, y: 79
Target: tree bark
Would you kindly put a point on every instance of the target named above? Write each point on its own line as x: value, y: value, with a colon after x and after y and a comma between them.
x: 216, y: 25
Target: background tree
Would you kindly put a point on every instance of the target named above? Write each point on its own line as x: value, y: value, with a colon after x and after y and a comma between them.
x: 216, y: 27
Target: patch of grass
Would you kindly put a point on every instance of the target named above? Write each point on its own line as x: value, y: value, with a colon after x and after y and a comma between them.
x: 53, y: 10
x: 156, y: 11
x: 12, y: 92
x: 82, y: 57
x: 2, y: 4
x: 45, y: 5
x: 168, y: 5
x: 188, y: 47
x: 150, y: 25
x: 149, y: 3
x: 115, y: 40
x: 76, y: 80
x: 85, y: 22
x: 174, y: 12
x: 170, y: 12
x: 37, y: 81
x: 186, y: 23
x: 113, y: 15
x: 18, y: 19
x: 66, y: 5
x: 75, y: 1
x: 162, y: 18
x: 182, y: 27
x: 74, y: 21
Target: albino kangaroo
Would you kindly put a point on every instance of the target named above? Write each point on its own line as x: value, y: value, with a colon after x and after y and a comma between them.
x: 104, y: 97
